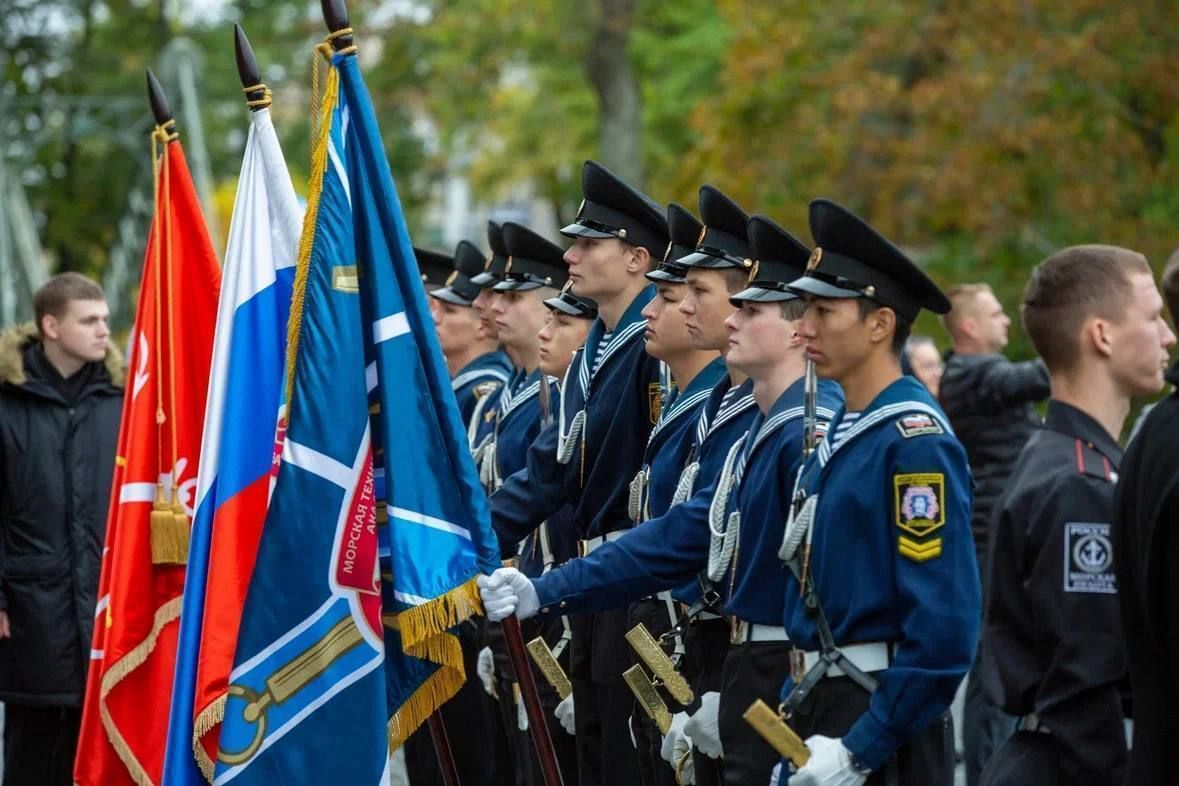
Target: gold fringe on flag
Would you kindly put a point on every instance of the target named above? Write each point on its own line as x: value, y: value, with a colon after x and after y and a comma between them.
x: 208, y: 719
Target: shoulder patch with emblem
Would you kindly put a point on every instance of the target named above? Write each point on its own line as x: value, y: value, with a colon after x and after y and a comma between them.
x: 654, y: 401
x: 1088, y: 559
x: 919, y: 511
x: 918, y: 423
x: 485, y: 388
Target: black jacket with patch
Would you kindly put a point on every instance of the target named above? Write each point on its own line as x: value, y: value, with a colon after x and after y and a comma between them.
x: 56, y: 464
x: 988, y: 400
x: 1146, y: 546
x: 1052, y: 635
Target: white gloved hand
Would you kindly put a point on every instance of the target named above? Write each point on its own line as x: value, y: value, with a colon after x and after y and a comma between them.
x: 684, y: 765
x: 671, y: 740
x: 485, y: 668
x: 564, y: 713
x: 521, y: 715
x: 703, y: 727
x: 776, y: 774
x: 508, y: 591
x: 830, y: 765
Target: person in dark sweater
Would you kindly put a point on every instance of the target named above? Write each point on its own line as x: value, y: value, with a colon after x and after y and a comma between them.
x: 989, y: 401
x: 1145, y: 538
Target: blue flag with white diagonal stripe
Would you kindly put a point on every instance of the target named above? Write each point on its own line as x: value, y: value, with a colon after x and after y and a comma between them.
x: 377, y: 527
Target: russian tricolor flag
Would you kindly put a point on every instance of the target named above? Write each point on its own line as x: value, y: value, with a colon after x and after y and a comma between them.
x: 240, y: 447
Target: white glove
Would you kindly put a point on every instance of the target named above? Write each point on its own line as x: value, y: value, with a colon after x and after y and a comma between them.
x: 684, y: 765
x: 564, y: 713
x: 485, y: 668
x: 521, y: 715
x: 508, y: 591
x: 776, y: 774
x: 830, y: 765
x: 703, y: 727
x: 672, y: 738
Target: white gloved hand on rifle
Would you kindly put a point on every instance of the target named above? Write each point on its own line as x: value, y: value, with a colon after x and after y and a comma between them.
x: 704, y: 728
x: 507, y: 591
x: 564, y: 713
x: 830, y: 765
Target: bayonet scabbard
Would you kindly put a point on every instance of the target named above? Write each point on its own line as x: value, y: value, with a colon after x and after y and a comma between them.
x: 549, y: 667
x: 774, y: 730
x: 652, y: 654
x: 648, y: 697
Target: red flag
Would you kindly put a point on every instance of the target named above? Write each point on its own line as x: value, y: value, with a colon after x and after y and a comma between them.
x: 129, y: 685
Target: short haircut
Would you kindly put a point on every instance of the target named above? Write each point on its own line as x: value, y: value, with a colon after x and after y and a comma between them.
x: 1070, y: 287
x: 961, y: 297
x: 793, y: 309
x: 736, y: 279
x: 1171, y: 285
x: 903, y: 326
x: 54, y: 296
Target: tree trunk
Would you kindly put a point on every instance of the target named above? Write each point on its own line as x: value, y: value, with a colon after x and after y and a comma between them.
x: 620, y: 100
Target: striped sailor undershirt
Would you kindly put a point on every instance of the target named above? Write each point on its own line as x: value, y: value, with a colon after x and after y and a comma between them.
x: 845, y: 425
x: 601, y: 350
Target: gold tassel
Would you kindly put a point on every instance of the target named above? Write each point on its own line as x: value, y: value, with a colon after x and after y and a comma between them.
x: 169, y: 531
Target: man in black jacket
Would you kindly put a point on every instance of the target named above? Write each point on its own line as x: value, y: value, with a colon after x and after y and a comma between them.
x: 60, y: 403
x: 989, y: 400
x: 1146, y: 549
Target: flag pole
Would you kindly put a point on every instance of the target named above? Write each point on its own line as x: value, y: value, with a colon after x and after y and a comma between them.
x: 537, y: 724
x: 257, y: 95
x: 450, y: 776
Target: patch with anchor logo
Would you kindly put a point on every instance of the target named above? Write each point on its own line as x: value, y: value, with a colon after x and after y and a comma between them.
x: 1088, y: 559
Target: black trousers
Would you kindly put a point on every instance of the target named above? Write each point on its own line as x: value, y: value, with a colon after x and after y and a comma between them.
x: 475, y: 754
x: 706, y: 643
x: 653, y: 770
x: 39, y: 744
x: 1028, y: 757
x: 752, y: 671
x: 928, y: 759
x: 602, y: 702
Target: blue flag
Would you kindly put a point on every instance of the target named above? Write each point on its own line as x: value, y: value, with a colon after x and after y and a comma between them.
x: 377, y: 527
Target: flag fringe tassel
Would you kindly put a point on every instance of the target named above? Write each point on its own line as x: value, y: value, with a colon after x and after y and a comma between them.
x: 208, y: 719
x: 438, y: 689
x: 423, y: 624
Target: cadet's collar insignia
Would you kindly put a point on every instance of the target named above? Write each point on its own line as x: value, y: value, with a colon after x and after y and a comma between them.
x: 654, y: 400
x: 703, y: 232
x: 813, y: 262
x: 508, y: 265
x: 919, y: 507
x: 1088, y: 553
x: 916, y: 424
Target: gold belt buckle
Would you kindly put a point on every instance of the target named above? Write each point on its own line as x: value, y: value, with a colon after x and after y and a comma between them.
x: 797, y: 665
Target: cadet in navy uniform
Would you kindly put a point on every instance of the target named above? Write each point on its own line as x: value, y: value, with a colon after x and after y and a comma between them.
x: 880, y: 531
x: 492, y: 273
x: 663, y: 552
x: 588, y: 458
x: 1054, y: 653
x: 434, y: 267
x: 693, y: 374
x: 477, y: 366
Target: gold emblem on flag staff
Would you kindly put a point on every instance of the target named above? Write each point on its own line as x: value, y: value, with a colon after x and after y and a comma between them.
x: 648, y: 698
x: 346, y: 278
x: 549, y: 667
x: 774, y: 730
x: 652, y: 654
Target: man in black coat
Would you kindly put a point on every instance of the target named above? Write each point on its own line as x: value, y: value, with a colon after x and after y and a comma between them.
x: 1146, y: 549
x: 988, y: 399
x: 60, y: 402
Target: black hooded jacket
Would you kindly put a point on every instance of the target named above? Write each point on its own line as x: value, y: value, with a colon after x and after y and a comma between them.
x: 56, y: 462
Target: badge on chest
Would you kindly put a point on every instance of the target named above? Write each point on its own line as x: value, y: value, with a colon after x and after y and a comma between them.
x: 919, y: 512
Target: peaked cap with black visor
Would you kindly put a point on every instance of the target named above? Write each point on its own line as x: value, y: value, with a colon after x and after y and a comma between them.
x: 493, y: 266
x: 851, y: 259
x: 573, y: 305
x: 723, y: 241
x: 533, y: 262
x: 779, y: 259
x: 611, y: 208
x: 434, y: 266
x: 683, y: 229
x: 459, y: 289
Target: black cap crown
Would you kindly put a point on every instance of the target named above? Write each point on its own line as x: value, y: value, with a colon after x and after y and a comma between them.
x: 724, y: 239
x: 459, y: 289
x: 533, y: 261
x: 779, y: 259
x: 611, y: 208
x: 851, y: 259
x: 683, y: 229
x: 493, y: 267
x: 573, y: 305
x: 435, y: 267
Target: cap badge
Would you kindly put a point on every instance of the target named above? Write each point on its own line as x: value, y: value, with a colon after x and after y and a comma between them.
x: 508, y: 265
x: 450, y: 279
x: 567, y: 287
x: 581, y: 208
x: 813, y: 262
x: 703, y: 232
x: 487, y: 264
x: 754, y: 270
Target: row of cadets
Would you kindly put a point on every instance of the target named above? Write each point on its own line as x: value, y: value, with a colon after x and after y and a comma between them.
x: 664, y: 552
x: 588, y: 456
x: 516, y: 303
x: 693, y: 372
x: 478, y: 367
x: 886, y: 624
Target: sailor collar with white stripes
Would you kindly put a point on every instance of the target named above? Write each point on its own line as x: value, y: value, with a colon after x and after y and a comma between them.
x: 477, y: 369
x: 694, y: 394
x: 632, y: 324
x: 785, y: 409
x: 530, y: 387
x: 734, y: 402
x: 888, y: 406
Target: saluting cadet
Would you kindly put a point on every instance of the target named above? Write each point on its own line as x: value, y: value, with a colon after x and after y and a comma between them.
x: 591, y: 453
x: 1054, y: 654
x: 880, y: 538
x: 694, y: 373
x: 477, y: 366
x: 664, y: 552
